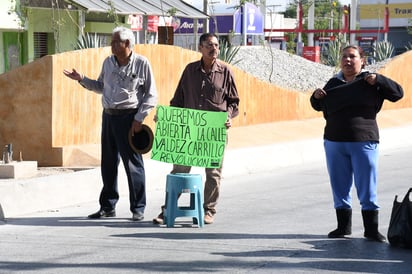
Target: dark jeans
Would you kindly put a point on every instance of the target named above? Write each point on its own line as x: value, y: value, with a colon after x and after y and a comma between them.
x: 115, y: 145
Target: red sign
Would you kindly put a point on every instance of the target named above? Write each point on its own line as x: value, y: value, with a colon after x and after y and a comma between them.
x: 312, y: 53
x: 152, y: 23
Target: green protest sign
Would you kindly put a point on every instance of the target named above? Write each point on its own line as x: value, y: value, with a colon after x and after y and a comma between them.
x: 189, y: 137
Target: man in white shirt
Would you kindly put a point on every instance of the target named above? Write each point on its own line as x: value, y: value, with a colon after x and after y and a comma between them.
x: 129, y: 93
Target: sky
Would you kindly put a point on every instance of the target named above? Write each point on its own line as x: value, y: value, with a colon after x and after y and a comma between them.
x: 277, y: 5
x: 284, y: 3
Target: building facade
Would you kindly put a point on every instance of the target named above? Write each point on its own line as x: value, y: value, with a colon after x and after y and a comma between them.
x: 35, y: 28
x: 396, y: 15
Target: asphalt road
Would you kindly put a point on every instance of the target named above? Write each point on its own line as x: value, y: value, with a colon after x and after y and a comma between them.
x: 267, y: 222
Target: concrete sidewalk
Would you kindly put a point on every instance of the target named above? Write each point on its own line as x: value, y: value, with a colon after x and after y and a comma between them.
x: 250, y: 150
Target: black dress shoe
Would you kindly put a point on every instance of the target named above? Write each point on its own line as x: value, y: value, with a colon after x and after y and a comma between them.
x: 101, y: 213
x: 159, y: 220
x: 137, y: 216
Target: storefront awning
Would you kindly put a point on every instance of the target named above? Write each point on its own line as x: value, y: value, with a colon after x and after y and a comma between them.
x: 183, y: 9
x: 143, y: 7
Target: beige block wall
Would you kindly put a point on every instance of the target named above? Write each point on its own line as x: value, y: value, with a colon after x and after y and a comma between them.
x: 400, y: 70
x: 25, y: 110
x: 53, y: 120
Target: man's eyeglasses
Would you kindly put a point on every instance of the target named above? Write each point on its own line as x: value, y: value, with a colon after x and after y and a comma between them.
x: 211, y: 45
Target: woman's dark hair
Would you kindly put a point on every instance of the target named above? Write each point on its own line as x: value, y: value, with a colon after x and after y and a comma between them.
x: 359, y: 49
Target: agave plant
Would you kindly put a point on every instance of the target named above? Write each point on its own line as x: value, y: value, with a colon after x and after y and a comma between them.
x: 383, y: 50
x: 409, y: 46
x: 227, y: 52
x: 89, y: 41
x: 332, y: 56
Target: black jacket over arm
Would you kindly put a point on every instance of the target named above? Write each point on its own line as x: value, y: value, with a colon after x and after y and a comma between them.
x: 350, y: 108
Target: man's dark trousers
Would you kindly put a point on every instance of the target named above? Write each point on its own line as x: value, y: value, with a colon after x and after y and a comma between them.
x: 115, y: 145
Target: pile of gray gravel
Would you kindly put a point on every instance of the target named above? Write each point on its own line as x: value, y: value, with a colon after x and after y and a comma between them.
x: 286, y: 70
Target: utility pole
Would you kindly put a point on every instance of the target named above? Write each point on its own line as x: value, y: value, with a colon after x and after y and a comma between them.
x: 244, y: 24
x: 331, y: 17
x: 353, y: 15
x: 311, y: 23
x: 385, y: 35
x: 206, y: 21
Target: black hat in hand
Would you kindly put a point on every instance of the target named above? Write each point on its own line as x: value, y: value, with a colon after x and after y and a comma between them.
x: 141, y: 142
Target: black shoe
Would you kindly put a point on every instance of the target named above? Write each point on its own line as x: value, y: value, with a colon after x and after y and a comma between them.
x: 159, y: 220
x: 344, y: 217
x: 370, y: 222
x: 376, y: 237
x: 339, y: 234
x: 137, y: 216
x: 101, y: 213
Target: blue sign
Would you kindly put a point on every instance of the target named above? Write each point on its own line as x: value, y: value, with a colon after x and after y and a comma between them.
x: 187, y: 25
x: 254, y: 20
x: 217, y: 24
x: 225, y: 24
x: 221, y: 24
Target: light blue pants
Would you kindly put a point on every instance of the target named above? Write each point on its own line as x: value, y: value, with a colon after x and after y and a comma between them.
x: 349, y: 162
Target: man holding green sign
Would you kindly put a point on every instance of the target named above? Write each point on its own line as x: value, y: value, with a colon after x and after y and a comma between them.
x: 208, y: 86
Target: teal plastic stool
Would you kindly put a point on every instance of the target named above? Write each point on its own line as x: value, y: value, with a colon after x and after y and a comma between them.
x: 184, y: 183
